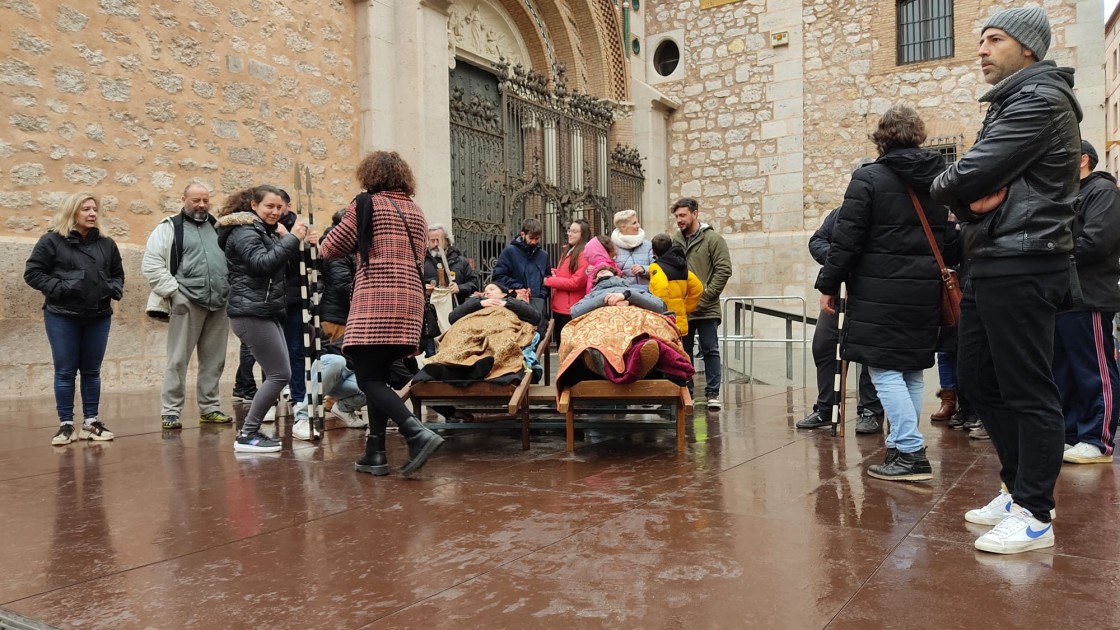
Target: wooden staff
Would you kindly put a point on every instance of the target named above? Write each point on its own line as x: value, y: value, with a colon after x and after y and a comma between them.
x: 840, y: 383
x: 309, y: 292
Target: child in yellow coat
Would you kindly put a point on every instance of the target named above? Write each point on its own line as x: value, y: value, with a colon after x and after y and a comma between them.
x: 670, y: 280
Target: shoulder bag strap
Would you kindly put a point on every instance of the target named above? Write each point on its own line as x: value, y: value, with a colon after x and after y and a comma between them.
x: 925, y: 227
x: 411, y: 242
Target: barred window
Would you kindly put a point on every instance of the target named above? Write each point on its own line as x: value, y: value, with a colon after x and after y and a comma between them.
x: 925, y: 30
x: 947, y: 146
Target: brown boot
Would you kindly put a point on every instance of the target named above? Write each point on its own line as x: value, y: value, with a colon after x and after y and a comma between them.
x: 948, y: 405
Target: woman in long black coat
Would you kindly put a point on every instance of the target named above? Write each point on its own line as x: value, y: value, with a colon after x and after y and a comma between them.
x: 894, y: 285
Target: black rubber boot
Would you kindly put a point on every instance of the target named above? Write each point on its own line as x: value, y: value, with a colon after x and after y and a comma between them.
x: 422, y: 442
x: 374, y: 461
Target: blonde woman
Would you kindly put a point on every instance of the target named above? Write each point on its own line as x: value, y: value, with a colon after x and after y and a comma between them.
x: 633, y: 253
x: 79, y: 272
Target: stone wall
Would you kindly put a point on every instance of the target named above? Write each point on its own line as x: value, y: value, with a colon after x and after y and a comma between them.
x: 132, y: 101
x: 767, y: 136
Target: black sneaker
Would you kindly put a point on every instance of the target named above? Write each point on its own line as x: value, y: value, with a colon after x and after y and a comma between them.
x: 957, y: 420
x: 255, y: 442
x: 814, y: 420
x: 899, y: 466
x: 869, y: 422
x: 65, y: 434
x: 972, y: 422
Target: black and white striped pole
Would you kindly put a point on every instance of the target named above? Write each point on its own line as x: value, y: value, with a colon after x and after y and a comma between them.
x: 309, y: 293
x: 840, y: 382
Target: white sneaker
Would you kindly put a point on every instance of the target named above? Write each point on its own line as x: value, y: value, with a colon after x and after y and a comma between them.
x: 286, y: 393
x: 302, y: 430
x: 1068, y: 446
x: 349, y: 418
x: 1019, y: 531
x: 271, y: 415
x: 1085, y: 453
x: 713, y: 403
x: 93, y: 429
x: 995, y: 511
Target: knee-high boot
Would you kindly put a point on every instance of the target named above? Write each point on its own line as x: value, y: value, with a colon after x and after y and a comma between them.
x: 422, y: 442
x: 374, y: 461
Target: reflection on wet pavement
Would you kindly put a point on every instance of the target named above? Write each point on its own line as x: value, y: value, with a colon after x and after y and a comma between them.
x: 756, y: 525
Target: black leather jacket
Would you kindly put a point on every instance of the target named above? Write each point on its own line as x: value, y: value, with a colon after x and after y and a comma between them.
x: 257, y: 263
x: 1030, y: 143
x: 77, y: 276
x: 1097, y: 230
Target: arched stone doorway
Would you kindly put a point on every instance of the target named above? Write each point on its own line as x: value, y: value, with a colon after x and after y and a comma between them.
x: 523, y: 143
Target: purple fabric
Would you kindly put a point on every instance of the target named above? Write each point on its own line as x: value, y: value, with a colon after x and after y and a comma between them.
x: 670, y: 363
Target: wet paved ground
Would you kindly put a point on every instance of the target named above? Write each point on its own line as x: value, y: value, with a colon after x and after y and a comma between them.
x: 756, y: 526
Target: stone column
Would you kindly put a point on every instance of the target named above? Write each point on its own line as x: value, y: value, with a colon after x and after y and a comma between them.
x: 402, y: 57
x: 651, y: 137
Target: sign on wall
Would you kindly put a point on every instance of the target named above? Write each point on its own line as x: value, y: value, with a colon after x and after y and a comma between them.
x: 711, y: 4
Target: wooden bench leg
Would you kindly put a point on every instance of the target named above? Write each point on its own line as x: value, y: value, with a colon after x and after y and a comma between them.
x: 525, y: 425
x: 570, y: 428
x: 680, y: 427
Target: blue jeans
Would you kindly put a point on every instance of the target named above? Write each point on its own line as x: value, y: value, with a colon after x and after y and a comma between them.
x: 901, y: 395
x: 77, y: 345
x: 947, y: 369
x: 339, y: 382
x: 706, y: 329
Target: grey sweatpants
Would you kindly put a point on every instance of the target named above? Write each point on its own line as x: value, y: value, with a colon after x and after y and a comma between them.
x: 193, y: 326
x: 265, y: 339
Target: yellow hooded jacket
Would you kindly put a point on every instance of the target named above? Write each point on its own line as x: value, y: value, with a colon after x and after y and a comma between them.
x: 679, y: 288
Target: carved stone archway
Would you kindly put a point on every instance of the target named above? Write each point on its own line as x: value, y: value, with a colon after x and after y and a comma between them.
x: 482, y: 32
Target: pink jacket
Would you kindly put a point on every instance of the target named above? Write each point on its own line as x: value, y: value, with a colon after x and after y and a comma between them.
x: 568, y: 287
x: 596, y: 254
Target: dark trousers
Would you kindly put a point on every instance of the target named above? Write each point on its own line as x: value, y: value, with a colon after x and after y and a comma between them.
x: 825, y: 337
x: 708, y: 332
x: 559, y: 321
x: 1006, y: 338
x: 244, y: 383
x: 373, y: 367
x: 265, y: 340
x: 1086, y: 375
x: 293, y: 335
x: 77, y: 345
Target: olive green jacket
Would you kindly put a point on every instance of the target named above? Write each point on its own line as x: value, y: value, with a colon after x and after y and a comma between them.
x: 708, y: 258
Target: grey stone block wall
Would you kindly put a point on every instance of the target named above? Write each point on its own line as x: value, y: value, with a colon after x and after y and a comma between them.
x: 136, y: 355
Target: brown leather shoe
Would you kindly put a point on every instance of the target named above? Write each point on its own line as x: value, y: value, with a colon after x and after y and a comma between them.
x: 948, y: 405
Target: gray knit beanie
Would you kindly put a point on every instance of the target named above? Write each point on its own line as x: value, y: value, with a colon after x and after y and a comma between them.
x: 1028, y: 25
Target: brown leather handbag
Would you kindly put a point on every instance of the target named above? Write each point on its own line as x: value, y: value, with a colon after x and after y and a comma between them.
x: 950, y: 283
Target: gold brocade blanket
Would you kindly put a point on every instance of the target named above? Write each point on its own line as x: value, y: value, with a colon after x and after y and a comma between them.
x: 490, y: 338
x: 612, y: 331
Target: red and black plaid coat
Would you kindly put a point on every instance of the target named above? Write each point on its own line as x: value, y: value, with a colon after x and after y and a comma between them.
x: 387, y: 306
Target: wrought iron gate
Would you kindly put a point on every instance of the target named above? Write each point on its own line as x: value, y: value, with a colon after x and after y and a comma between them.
x: 523, y: 148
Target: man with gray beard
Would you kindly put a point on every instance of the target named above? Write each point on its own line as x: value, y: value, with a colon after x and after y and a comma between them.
x: 187, y: 272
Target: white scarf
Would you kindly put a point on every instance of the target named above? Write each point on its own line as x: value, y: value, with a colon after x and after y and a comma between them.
x: 628, y: 241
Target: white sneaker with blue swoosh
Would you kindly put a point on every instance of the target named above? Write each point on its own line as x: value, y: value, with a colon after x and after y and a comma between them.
x: 995, y: 511
x: 1019, y: 531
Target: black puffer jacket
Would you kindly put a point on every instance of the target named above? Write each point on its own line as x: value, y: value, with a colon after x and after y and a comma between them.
x: 1097, y: 230
x: 1030, y: 143
x: 523, y: 310
x: 79, y: 277
x: 257, y: 262
x: 879, y: 248
x: 337, y: 284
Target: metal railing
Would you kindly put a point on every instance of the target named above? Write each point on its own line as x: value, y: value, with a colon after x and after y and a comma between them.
x: 735, y: 332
